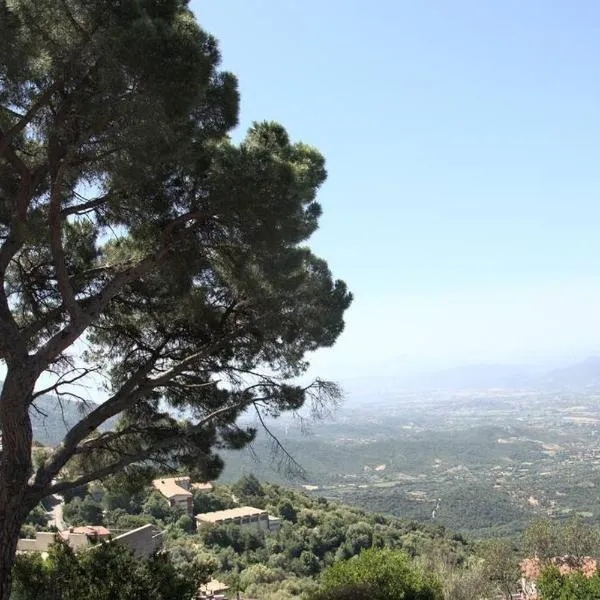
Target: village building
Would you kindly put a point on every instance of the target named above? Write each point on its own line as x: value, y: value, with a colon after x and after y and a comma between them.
x: 177, y: 491
x: 243, y: 516
x: 213, y: 590
x: 142, y: 541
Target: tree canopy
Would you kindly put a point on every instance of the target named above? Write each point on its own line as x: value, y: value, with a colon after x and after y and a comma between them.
x: 132, y: 226
x: 107, y: 571
x: 381, y: 574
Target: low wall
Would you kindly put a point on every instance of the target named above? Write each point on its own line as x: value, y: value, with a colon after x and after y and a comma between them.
x: 142, y: 541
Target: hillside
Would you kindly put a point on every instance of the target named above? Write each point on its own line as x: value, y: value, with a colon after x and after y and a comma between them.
x: 581, y: 376
x: 288, y: 553
x: 53, y: 419
x: 508, y: 456
x: 280, y: 564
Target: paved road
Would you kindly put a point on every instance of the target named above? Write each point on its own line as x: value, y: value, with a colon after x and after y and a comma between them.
x: 55, y: 515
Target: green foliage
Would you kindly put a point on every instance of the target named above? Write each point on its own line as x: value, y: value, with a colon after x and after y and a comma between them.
x: 83, y: 512
x: 106, y: 572
x: 210, y: 501
x: 249, y: 490
x: 118, y: 519
x: 385, y: 574
x: 259, y: 574
x: 574, y: 537
x: 38, y: 518
x: 500, y: 564
x: 287, y: 511
x: 191, y: 560
x: 553, y: 585
x: 469, y: 583
x: 540, y: 539
x: 186, y: 524
x: 127, y: 491
x: 157, y: 506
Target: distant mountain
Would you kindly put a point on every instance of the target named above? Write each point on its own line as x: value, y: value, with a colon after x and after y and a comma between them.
x: 53, y: 419
x: 472, y: 377
x: 578, y: 377
x: 582, y: 376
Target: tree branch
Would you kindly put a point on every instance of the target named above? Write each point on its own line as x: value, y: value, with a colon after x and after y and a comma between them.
x: 126, y: 395
x: 79, y: 209
x: 70, y: 333
x: 58, y: 252
x: 42, y: 100
x: 63, y: 486
x: 61, y: 381
x: 298, y: 469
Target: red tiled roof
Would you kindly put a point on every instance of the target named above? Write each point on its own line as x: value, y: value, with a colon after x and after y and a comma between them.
x: 89, y: 530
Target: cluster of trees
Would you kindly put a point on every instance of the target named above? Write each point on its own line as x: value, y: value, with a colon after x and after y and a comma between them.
x: 106, y: 572
x: 324, y: 550
x: 574, y: 537
x: 573, y: 542
x: 554, y: 585
x: 378, y: 575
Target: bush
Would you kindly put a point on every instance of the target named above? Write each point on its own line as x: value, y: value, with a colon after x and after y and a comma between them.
x: 210, y: 502
x: 554, y: 585
x: 186, y: 523
x: 384, y: 574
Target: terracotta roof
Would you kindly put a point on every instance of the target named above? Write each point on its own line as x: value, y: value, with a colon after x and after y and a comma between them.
x: 231, y: 513
x: 91, y: 531
x: 169, y: 487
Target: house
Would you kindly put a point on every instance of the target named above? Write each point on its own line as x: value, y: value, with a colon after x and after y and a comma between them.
x: 205, y: 486
x: 95, y: 533
x: 213, y: 590
x: 177, y: 491
x: 143, y: 541
x: 243, y: 516
x: 76, y: 537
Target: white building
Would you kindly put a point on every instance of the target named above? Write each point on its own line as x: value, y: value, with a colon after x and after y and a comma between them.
x: 243, y: 516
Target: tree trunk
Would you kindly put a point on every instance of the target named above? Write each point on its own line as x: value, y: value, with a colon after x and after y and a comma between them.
x: 15, y: 465
x: 11, y: 519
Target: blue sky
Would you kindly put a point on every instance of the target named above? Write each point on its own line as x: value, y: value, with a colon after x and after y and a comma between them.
x: 463, y: 149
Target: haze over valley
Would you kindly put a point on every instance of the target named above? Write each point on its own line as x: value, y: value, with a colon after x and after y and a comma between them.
x: 482, y: 449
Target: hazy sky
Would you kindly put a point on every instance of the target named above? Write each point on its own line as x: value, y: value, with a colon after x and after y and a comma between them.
x: 463, y: 148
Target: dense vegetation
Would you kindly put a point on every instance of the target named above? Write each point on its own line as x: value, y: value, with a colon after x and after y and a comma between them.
x: 324, y: 549
x: 378, y: 575
x: 106, y: 572
x: 484, y: 464
x: 315, y: 534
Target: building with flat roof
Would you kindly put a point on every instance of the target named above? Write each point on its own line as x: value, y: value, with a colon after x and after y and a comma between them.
x: 243, y: 515
x: 213, y: 589
x: 177, y: 491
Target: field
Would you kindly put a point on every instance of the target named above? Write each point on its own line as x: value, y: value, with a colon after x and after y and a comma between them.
x: 482, y: 462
